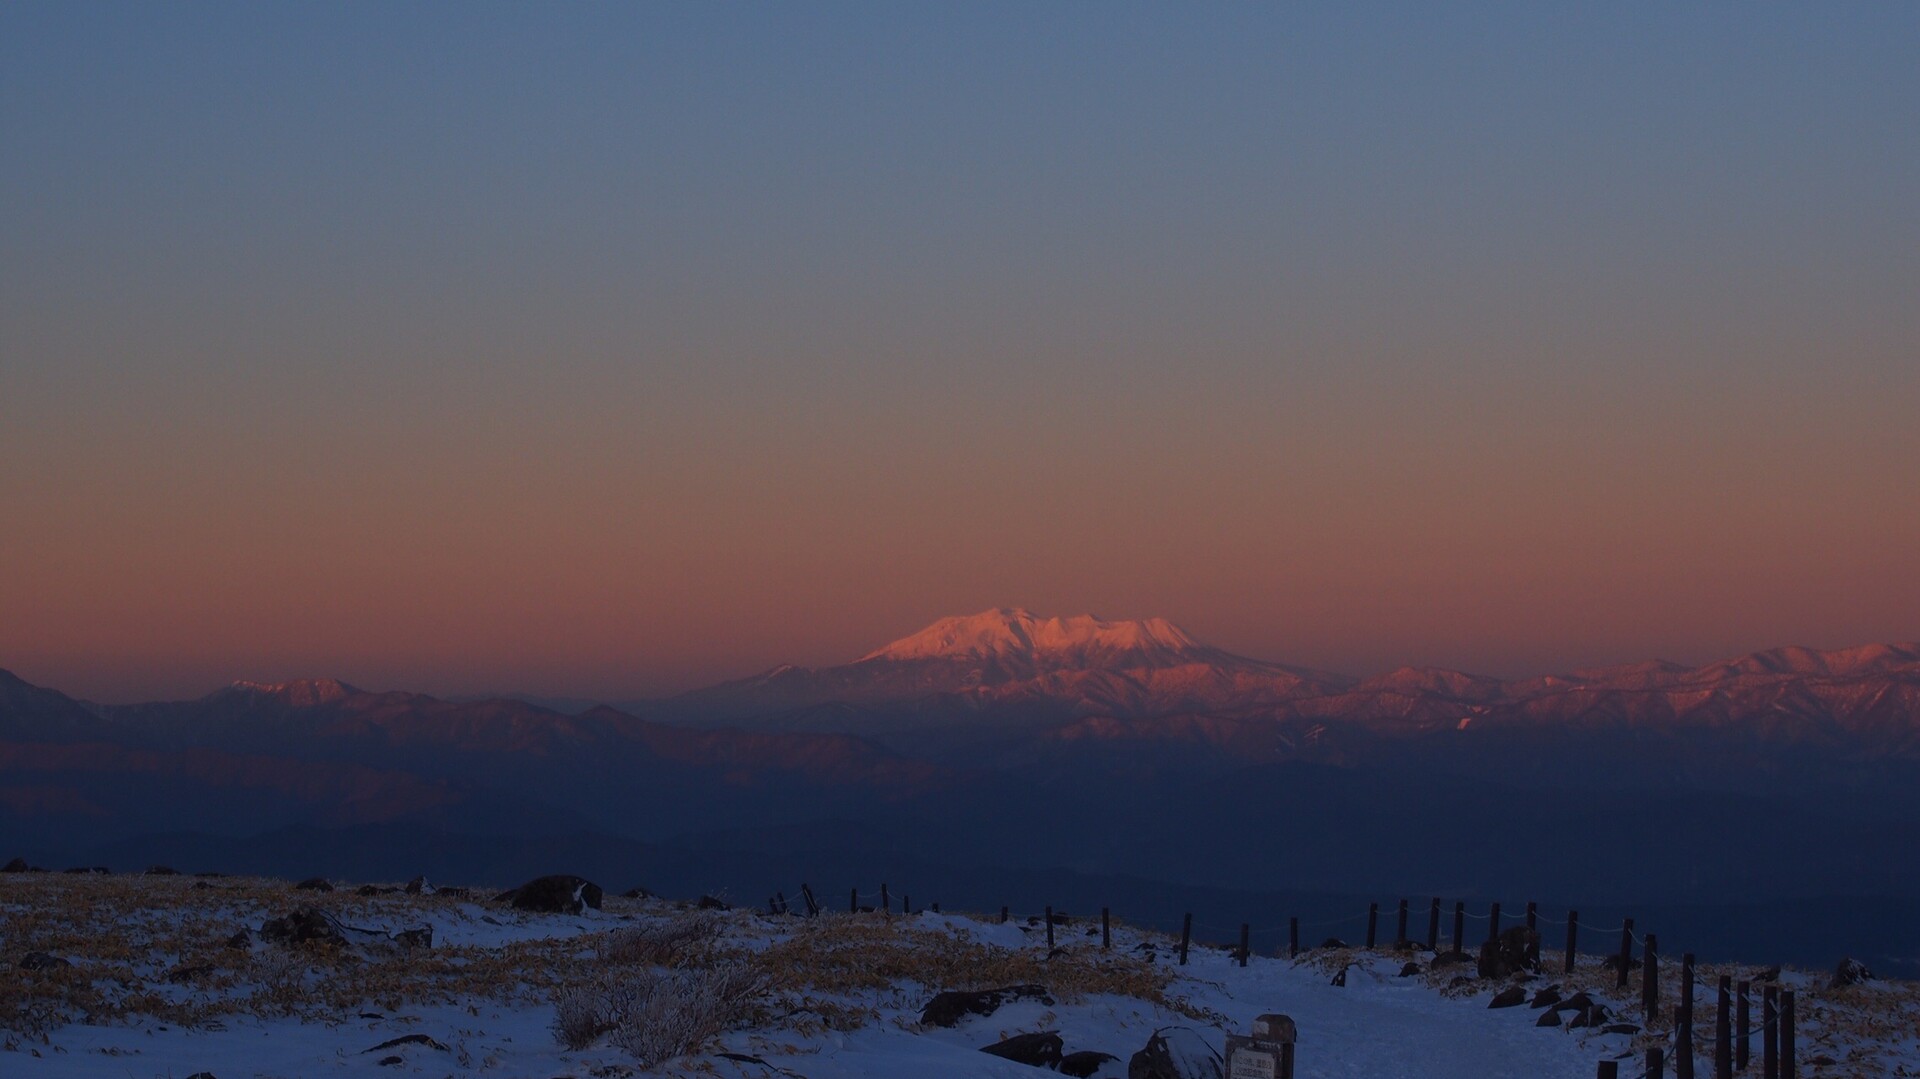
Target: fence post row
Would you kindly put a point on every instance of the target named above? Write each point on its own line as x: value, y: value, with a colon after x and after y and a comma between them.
x: 1770, y: 1032
x: 1400, y: 937
x: 1743, y: 1020
x: 1245, y: 945
x: 1787, y: 1063
x: 1723, y: 1031
x: 1683, y: 1019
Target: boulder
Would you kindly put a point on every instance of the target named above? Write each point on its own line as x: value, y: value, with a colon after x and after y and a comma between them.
x: 1447, y: 959
x: 415, y: 938
x: 1548, y: 1018
x: 419, y: 886
x: 1041, y: 1050
x: 314, y: 884
x: 1176, y: 1053
x: 1851, y: 972
x: 242, y: 938
x: 1511, y: 997
x: 42, y: 961
x: 303, y: 926
x: 1545, y: 997
x: 1509, y: 953
x: 18, y: 865
x: 637, y: 892
x: 708, y: 902
x: 561, y: 893
x: 948, y: 1008
x: 1409, y: 970
x: 1333, y: 942
x: 1085, y: 1064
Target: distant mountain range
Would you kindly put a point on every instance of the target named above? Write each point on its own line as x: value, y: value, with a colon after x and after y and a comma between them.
x: 1013, y: 744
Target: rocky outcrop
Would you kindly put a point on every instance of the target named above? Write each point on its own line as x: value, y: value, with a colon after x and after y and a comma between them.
x: 948, y: 1008
x: 1176, y: 1053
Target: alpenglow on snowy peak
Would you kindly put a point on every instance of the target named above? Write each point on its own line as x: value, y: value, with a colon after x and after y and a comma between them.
x: 1006, y: 632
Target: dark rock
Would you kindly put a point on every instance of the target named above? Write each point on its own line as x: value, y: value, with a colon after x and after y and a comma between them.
x: 1620, y: 1028
x: 637, y: 893
x: 419, y: 886
x: 948, y: 1008
x: 1851, y: 972
x: 42, y: 961
x: 182, y: 975
x: 162, y: 871
x: 1458, y: 981
x: 1333, y: 942
x: 1593, y: 1015
x: 415, y: 938
x: 406, y: 1039
x: 1176, y: 1053
x: 453, y: 893
x: 1579, y: 1002
x: 1771, y: 974
x: 303, y: 926
x: 1546, y: 996
x: 203, y: 886
x: 1340, y: 976
x: 1042, y: 1050
x: 1511, y: 997
x: 373, y: 889
x: 201, y: 1075
x: 1549, y: 1018
x: 1083, y: 1064
x: 1409, y: 970
x: 561, y: 893
x: 392, y: 1061
x: 242, y: 938
x: 1447, y: 959
x: 1510, y: 953
x: 708, y: 902
x: 18, y: 865
x: 314, y: 884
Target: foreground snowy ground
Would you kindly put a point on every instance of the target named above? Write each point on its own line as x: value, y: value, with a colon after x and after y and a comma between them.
x: 156, y: 985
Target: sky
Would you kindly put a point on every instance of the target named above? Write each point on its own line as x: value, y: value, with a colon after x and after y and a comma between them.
x: 611, y: 350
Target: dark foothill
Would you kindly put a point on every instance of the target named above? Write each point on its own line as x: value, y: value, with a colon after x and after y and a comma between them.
x: 561, y: 893
x: 948, y: 1008
x: 97, y: 869
x: 374, y: 889
x: 18, y: 865
x: 1041, y: 1050
x: 314, y: 884
x: 162, y: 871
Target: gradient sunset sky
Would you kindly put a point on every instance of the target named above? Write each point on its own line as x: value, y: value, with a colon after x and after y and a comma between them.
x: 613, y: 350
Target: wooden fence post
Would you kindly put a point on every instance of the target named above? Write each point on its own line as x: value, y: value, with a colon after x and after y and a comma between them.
x: 1245, y: 935
x: 1533, y: 928
x: 886, y: 903
x: 1682, y: 1042
x: 1609, y: 1069
x: 853, y: 902
x: 1003, y: 914
x: 1626, y: 953
x: 1650, y: 978
x: 1493, y: 923
x: 906, y: 904
x: 1400, y: 938
x: 1789, y: 1067
x: 1770, y: 1032
x: 1459, y: 926
x: 1293, y: 937
x: 1656, y: 1062
x: 1742, y: 1023
x: 1573, y: 934
x: 1433, y: 926
x: 813, y: 905
x: 1106, y: 930
x: 1186, y: 937
x: 1373, y: 923
x: 1049, y: 928
x: 1723, y: 1031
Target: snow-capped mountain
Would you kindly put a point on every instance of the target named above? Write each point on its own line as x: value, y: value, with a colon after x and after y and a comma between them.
x: 1008, y: 658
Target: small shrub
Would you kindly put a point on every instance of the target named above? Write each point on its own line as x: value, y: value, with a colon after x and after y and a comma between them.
x: 657, y: 1015
x: 663, y: 944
